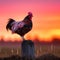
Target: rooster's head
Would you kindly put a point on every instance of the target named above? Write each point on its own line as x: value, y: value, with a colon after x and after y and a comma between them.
x: 30, y: 15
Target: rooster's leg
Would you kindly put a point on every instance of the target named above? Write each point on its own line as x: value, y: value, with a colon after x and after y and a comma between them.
x: 23, y: 38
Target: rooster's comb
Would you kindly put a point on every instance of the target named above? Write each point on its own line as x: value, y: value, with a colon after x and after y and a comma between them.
x: 30, y: 13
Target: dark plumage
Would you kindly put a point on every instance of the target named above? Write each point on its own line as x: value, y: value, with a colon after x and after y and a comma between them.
x: 8, y: 26
x: 21, y: 27
x: 26, y: 28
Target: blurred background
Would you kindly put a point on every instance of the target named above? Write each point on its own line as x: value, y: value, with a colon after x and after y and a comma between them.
x: 46, y: 26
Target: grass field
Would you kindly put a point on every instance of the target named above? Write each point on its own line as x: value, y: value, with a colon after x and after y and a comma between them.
x: 40, y: 49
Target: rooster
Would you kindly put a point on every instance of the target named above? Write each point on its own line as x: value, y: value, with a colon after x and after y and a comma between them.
x: 20, y: 27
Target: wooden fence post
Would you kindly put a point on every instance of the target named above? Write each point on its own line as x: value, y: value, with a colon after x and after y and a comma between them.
x: 28, y: 50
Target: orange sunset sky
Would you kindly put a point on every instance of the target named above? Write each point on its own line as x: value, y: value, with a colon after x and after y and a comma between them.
x: 46, y: 18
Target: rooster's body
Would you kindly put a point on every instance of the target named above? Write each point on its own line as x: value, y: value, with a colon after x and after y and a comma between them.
x: 21, y: 27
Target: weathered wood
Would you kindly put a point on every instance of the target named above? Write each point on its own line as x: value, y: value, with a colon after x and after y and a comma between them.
x: 28, y: 50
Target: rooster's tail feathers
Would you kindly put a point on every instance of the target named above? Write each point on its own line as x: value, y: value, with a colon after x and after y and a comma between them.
x: 8, y: 26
